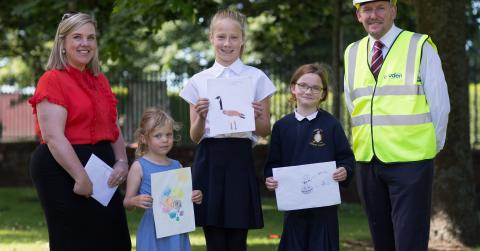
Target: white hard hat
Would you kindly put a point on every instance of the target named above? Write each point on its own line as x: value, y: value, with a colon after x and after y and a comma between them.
x: 357, y: 3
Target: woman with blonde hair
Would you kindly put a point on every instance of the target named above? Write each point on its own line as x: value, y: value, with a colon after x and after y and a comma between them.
x: 76, y: 117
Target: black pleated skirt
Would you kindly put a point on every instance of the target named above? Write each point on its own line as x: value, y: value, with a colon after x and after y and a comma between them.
x: 75, y: 222
x: 313, y: 229
x: 224, y: 171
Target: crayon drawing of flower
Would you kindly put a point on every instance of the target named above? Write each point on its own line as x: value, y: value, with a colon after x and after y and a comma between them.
x: 171, y: 203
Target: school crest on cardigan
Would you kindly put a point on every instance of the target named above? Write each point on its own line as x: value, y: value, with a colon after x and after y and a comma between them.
x: 317, y: 138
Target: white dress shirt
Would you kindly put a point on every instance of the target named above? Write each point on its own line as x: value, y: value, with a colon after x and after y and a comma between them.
x: 196, y: 88
x: 433, y: 80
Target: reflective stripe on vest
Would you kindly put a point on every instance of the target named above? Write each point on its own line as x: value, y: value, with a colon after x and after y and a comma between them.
x: 388, y: 90
x: 392, y: 119
x: 400, y: 128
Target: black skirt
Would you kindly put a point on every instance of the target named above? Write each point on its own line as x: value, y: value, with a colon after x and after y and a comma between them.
x: 224, y: 171
x: 75, y: 222
x: 313, y: 229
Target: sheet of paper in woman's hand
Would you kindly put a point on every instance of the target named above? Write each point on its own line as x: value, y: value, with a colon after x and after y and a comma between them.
x: 99, y: 172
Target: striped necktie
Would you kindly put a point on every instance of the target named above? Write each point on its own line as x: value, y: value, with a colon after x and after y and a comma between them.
x: 377, y: 58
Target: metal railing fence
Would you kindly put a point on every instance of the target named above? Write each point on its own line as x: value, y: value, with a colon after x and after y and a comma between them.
x: 136, y: 92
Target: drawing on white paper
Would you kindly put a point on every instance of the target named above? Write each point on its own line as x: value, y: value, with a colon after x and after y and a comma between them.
x: 230, y: 109
x: 172, y: 202
x: 306, y: 186
x: 230, y: 113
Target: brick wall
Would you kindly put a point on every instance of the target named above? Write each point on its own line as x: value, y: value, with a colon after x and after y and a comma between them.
x: 15, y: 157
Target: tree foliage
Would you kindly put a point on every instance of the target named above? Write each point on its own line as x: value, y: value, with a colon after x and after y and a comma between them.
x: 156, y: 35
x: 27, y: 29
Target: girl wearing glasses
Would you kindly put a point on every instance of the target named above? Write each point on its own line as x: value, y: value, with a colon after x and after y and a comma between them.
x: 309, y: 135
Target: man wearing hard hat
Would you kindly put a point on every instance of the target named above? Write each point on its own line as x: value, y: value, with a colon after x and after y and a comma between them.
x: 396, y: 94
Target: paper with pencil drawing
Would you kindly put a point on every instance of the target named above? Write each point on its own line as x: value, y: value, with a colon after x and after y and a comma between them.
x: 172, y: 202
x: 230, y: 109
x: 99, y: 172
x: 306, y: 186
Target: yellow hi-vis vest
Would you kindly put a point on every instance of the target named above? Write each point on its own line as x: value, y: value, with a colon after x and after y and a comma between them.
x: 390, y: 118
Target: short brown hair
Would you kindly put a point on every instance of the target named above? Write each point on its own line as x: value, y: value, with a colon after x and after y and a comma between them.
x: 320, y: 69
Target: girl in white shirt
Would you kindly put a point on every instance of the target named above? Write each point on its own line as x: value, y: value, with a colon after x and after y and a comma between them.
x: 223, y: 166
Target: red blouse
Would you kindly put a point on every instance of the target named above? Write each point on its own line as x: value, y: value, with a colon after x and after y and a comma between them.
x: 89, y: 101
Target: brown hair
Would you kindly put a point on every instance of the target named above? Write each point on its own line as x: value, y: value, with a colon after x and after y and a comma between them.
x: 234, y: 15
x: 68, y: 24
x: 152, y: 119
x: 320, y: 69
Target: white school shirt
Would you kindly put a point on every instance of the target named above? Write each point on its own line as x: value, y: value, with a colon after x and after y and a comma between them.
x: 310, y: 117
x: 196, y: 88
x: 433, y: 79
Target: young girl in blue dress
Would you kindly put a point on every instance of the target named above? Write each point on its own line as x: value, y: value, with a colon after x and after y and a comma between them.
x: 309, y: 135
x: 155, y: 140
x: 223, y: 167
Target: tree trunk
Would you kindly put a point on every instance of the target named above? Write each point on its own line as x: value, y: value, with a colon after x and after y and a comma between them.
x: 455, y: 217
x: 337, y: 80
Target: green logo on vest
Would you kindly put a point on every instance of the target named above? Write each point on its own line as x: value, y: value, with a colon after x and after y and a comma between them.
x: 395, y: 75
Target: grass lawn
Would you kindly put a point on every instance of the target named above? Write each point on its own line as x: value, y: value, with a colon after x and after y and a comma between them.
x: 22, y: 226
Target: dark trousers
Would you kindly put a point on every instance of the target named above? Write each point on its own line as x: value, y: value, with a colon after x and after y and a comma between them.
x: 225, y: 239
x: 397, y: 200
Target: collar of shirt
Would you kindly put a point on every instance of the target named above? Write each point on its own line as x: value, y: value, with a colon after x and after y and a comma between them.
x: 387, y: 39
x: 310, y: 117
x: 236, y: 67
x: 71, y: 69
